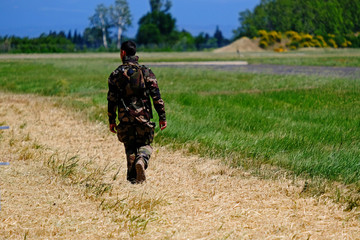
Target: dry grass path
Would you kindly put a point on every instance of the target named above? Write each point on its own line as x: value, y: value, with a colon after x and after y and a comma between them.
x: 185, y: 197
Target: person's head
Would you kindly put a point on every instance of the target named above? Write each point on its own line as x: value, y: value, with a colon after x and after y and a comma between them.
x: 128, y: 48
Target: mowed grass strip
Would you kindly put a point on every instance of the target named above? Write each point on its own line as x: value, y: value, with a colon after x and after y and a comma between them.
x: 309, y: 125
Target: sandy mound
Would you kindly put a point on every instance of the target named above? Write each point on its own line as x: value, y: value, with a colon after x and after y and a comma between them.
x: 243, y: 44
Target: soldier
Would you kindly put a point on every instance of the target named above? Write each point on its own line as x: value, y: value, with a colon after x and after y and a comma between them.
x: 130, y: 89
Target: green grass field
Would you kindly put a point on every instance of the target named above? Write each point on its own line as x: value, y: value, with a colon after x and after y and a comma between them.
x: 308, y: 125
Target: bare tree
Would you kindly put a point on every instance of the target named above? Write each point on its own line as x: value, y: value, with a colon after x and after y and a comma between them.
x: 120, y: 17
x: 100, y: 20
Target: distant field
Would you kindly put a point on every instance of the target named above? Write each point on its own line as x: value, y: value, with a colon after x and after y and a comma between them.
x: 309, y: 125
x: 305, y: 57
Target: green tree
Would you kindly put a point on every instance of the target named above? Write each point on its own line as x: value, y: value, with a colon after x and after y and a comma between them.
x: 200, y: 40
x: 185, y: 42
x: 351, y: 14
x: 247, y: 25
x: 219, y: 37
x: 93, y: 37
x: 158, y: 23
x: 148, y: 34
x: 316, y: 17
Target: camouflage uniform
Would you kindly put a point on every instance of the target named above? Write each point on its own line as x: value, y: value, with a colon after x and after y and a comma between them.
x: 130, y: 89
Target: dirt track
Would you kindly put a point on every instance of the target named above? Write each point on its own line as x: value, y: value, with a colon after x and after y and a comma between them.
x: 185, y: 197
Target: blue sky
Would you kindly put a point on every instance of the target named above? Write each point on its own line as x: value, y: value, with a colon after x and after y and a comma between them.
x: 33, y: 17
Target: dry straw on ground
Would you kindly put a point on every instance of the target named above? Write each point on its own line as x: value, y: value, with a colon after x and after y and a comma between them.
x: 63, y: 182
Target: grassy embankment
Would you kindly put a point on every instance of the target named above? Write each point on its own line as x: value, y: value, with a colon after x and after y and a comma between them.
x: 309, y: 125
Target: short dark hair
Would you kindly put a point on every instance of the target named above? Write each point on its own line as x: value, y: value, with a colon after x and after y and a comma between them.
x: 129, y: 47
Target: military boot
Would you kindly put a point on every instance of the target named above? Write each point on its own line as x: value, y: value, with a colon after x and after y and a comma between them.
x: 140, y: 171
x: 131, y: 172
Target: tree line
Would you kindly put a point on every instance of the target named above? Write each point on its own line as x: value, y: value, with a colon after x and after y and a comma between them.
x: 157, y: 32
x: 334, y: 22
x: 314, y: 17
x: 53, y: 42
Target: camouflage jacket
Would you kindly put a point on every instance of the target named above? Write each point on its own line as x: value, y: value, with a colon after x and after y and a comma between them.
x: 130, y: 95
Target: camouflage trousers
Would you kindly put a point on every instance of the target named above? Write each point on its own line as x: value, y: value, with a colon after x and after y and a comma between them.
x: 137, y: 139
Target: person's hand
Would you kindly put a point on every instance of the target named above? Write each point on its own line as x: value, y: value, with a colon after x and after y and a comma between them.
x: 112, y: 127
x: 162, y: 124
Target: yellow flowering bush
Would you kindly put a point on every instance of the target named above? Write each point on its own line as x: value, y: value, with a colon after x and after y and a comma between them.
x: 321, y: 40
x: 315, y: 43
x: 263, y: 44
x: 296, y: 40
x: 274, y: 36
x: 306, y: 37
x: 346, y: 44
x: 332, y: 43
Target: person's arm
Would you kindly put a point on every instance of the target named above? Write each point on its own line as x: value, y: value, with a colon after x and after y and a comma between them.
x: 154, y: 91
x: 112, y: 98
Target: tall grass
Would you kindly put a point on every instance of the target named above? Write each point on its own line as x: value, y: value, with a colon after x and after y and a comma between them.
x: 309, y: 125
